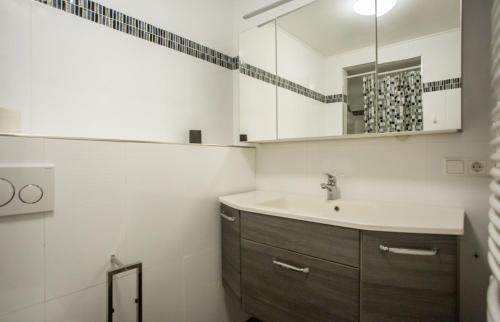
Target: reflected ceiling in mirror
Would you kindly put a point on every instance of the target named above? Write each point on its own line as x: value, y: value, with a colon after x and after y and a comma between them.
x: 330, y: 27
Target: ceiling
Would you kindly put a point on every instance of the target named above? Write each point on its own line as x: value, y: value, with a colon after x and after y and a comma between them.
x: 331, y: 26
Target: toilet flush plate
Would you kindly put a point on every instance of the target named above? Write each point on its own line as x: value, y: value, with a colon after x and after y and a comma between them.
x: 26, y: 189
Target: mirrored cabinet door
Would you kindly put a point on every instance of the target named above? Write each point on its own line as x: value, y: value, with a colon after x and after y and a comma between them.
x: 419, y: 65
x: 257, y: 90
x: 353, y: 67
x: 317, y: 47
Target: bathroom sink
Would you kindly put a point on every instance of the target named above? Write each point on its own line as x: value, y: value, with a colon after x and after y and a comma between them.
x: 316, y: 206
x: 297, y: 204
x: 360, y: 214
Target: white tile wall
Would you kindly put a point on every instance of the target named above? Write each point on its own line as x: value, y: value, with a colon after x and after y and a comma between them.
x: 34, y: 313
x: 152, y: 203
x: 300, y: 116
x: 90, y: 218
x: 87, y: 305
x: 441, y: 109
x: 299, y: 63
x: 70, y: 77
x: 257, y: 47
x: 22, y: 269
x: 15, y: 51
x: 257, y: 112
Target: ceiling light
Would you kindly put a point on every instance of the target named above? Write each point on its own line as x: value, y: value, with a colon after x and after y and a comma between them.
x: 367, y: 7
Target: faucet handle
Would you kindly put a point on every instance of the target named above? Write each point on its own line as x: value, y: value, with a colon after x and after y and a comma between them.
x: 331, y: 178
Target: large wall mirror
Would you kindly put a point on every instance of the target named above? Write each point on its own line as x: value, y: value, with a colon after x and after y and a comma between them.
x: 353, y: 67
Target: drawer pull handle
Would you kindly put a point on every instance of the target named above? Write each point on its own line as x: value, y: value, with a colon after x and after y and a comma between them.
x: 228, y: 218
x: 304, y: 270
x: 409, y: 251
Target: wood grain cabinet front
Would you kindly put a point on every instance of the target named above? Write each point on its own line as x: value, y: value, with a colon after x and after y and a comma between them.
x: 231, y: 242
x: 284, y: 286
x: 408, y: 277
x: 287, y: 270
x: 336, y: 244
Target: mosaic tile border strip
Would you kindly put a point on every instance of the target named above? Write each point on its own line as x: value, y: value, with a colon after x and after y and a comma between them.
x: 442, y: 85
x: 274, y: 79
x: 337, y: 98
x: 95, y: 12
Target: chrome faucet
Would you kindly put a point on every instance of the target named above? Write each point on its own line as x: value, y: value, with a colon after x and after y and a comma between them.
x: 330, y: 187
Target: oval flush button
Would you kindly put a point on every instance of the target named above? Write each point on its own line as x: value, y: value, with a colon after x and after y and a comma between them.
x: 31, y: 194
x: 7, y: 191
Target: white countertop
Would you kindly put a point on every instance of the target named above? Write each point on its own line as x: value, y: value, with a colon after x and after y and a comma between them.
x: 364, y: 215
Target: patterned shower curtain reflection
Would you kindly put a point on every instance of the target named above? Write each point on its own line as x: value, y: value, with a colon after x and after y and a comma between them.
x: 399, y: 102
x: 369, y: 103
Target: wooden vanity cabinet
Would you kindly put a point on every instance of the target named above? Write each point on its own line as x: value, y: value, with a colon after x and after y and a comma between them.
x: 231, y: 248
x: 408, y: 277
x: 286, y: 270
x: 283, y: 286
x: 336, y: 244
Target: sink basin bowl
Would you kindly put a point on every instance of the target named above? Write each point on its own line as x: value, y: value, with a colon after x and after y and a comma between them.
x: 317, y: 206
x: 298, y: 204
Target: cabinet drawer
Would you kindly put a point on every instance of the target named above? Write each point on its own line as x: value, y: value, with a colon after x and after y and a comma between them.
x: 280, y: 285
x: 323, y: 241
x: 405, y: 284
x: 231, y: 242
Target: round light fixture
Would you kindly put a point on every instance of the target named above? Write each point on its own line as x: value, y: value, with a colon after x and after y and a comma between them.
x: 367, y: 7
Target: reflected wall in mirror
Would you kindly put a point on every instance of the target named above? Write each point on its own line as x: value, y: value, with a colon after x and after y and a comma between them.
x: 313, y: 46
x: 419, y: 66
x: 257, y: 90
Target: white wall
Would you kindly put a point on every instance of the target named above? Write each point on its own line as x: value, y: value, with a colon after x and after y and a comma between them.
x: 257, y: 109
x: 301, y: 116
x: 67, y: 76
x: 153, y: 203
x: 299, y: 63
x: 257, y: 47
x: 257, y: 99
x: 410, y: 169
x: 298, y: 115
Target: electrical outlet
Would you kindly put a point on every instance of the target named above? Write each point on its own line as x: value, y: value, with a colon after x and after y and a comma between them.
x: 477, y: 167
